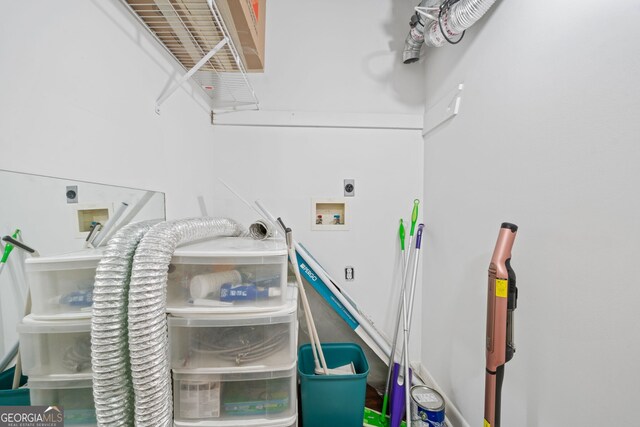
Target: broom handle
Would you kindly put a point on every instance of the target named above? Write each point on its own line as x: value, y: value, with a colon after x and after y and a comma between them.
x: 407, y: 328
x: 316, y: 346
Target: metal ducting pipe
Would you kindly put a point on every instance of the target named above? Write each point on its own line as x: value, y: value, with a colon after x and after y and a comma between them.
x: 453, y: 21
x: 148, y: 340
x: 112, y: 387
x: 415, y: 39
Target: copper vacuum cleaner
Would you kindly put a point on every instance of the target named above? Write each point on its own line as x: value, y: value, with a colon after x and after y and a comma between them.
x: 501, y: 302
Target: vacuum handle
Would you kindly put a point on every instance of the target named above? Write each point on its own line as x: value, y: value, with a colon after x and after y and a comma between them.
x: 493, y: 397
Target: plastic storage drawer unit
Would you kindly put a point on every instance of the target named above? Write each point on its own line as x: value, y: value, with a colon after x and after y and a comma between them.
x: 228, y: 275
x: 74, y: 396
x: 227, y: 341
x: 62, y: 286
x: 55, y: 348
x: 235, y: 399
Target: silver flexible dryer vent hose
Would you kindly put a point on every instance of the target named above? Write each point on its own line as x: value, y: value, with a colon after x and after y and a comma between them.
x: 415, y: 38
x: 112, y: 388
x: 148, y: 340
x: 461, y: 16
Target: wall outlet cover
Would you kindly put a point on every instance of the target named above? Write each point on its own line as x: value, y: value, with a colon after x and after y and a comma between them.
x: 349, y: 187
x: 72, y: 194
x: 349, y: 273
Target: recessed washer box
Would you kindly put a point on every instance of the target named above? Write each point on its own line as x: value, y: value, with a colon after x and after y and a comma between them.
x: 329, y: 214
x: 82, y: 215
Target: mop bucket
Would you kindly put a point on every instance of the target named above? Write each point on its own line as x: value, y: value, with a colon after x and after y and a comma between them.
x: 8, y: 397
x: 333, y: 400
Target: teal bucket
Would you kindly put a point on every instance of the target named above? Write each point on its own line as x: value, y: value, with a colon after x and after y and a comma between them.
x: 333, y: 400
x: 8, y: 397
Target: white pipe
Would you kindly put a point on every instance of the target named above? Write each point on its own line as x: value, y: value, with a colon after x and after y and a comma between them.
x: 101, y: 238
x: 316, y: 346
x: 131, y: 213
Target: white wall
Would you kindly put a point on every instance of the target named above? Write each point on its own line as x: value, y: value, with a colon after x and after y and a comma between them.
x: 78, y: 95
x: 338, y: 56
x: 547, y: 138
x: 286, y: 167
x: 79, y: 80
x: 38, y: 207
x: 340, y: 62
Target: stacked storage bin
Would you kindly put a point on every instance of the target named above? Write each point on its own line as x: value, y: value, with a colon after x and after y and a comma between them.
x: 55, y: 339
x: 232, y: 334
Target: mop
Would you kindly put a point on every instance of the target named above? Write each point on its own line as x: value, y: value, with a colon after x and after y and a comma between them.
x: 316, y: 347
x: 400, y: 402
x: 502, y: 300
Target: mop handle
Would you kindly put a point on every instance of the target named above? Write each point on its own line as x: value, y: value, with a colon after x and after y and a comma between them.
x: 12, y: 241
x: 415, y: 272
x: 9, y: 247
x: 414, y: 279
x: 405, y: 267
x: 407, y: 329
x: 414, y: 215
x: 387, y: 389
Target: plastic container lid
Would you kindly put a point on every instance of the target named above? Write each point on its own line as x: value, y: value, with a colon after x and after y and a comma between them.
x: 29, y: 325
x: 231, y: 247
x: 88, y: 258
x: 206, y: 374
x: 53, y: 382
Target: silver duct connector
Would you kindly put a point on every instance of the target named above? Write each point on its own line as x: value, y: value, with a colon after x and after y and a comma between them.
x: 453, y: 21
x: 415, y: 38
x: 148, y: 340
x: 261, y: 230
x: 112, y: 388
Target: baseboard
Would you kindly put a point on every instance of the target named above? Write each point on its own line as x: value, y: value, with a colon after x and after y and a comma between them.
x: 454, y: 417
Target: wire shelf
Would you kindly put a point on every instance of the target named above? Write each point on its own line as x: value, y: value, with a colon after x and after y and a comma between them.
x: 190, y: 30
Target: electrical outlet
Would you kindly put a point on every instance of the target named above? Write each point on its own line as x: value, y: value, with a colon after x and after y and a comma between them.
x: 349, y: 274
x: 349, y: 187
x: 72, y: 194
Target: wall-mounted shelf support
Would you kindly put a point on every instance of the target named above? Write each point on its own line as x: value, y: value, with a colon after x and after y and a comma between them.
x: 168, y: 92
x: 443, y: 110
x: 195, y: 34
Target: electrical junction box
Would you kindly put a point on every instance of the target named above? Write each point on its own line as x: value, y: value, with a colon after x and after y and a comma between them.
x: 349, y: 187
